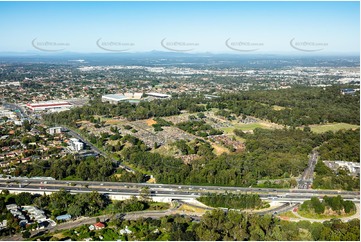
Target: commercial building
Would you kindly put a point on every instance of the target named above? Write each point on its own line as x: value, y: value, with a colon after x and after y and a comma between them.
x: 7, y: 113
x: 52, y: 106
x: 55, y: 130
x: 75, y: 144
x: 114, y: 98
x: 158, y: 95
x: 120, y: 97
x: 136, y: 95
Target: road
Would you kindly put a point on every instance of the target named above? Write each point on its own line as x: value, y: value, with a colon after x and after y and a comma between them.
x: 285, y: 207
x: 307, y: 177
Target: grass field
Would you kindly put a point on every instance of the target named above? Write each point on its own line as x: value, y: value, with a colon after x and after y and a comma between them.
x: 288, y: 214
x: 158, y: 206
x: 166, y: 150
x: 218, y: 149
x: 277, y: 108
x: 59, y: 236
x: 237, y: 138
x: 332, y: 127
x: 243, y: 127
x: 189, y: 208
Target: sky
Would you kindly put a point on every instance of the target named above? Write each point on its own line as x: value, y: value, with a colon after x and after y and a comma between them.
x: 262, y: 27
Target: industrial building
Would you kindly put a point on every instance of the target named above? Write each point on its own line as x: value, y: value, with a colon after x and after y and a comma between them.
x: 49, y: 106
x: 119, y: 97
x: 114, y: 98
x: 158, y: 95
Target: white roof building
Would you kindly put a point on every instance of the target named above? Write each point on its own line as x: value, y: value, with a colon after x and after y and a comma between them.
x: 75, y: 144
x: 49, y: 106
x: 119, y: 97
x: 158, y: 95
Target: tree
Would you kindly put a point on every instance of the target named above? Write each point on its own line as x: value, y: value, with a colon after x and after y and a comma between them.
x: 26, y: 125
x: 75, y: 210
x: 24, y: 198
x: 2, y: 203
x: 42, y: 201
x: 145, y: 193
x: 26, y: 234
x: 5, y: 192
x: 307, y: 129
x: 317, y: 205
x: 59, y: 201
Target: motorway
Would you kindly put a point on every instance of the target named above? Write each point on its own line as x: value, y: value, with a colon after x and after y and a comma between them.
x: 166, y: 190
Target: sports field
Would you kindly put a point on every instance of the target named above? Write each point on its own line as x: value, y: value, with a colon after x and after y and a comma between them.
x: 332, y: 127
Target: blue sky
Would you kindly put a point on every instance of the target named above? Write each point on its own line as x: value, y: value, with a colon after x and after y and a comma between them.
x: 205, y: 25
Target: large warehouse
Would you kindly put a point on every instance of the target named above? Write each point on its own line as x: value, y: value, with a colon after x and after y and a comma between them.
x: 158, y: 95
x: 49, y: 106
x: 119, y: 97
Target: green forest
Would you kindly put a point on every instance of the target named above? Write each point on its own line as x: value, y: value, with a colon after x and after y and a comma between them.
x: 343, y: 145
x: 301, y: 106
